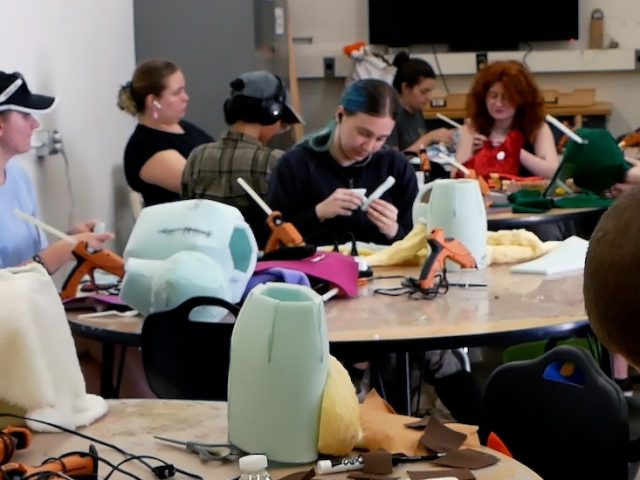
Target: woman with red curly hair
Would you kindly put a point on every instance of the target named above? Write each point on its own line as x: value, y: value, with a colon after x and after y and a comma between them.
x: 505, y: 131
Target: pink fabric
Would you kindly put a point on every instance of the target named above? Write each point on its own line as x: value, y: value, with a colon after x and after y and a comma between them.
x: 333, y: 267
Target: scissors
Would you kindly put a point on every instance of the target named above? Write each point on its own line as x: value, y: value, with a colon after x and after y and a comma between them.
x: 220, y: 452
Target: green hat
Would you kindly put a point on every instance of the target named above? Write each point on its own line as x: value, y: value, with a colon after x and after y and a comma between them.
x: 595, y: 165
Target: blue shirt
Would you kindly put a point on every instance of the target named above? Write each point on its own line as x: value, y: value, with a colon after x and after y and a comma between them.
x: 19, y: 239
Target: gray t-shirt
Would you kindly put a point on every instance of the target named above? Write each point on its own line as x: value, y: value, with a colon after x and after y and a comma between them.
x: 409, y: 128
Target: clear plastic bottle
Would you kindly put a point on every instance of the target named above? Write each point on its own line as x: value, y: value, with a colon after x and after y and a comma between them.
x: 254, y: 467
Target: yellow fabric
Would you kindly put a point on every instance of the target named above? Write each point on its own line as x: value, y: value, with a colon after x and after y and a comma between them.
x: 339, y: 414
x: 503, y: 246
x: 411, y: 250
x: 514, y: 246
x: 383, y: 428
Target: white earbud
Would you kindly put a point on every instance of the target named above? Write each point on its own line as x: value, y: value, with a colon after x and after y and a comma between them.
x: 157, y: 104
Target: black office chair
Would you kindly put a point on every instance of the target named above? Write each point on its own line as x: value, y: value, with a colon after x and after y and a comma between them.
x: 560, y: 415
x: 184, y: 359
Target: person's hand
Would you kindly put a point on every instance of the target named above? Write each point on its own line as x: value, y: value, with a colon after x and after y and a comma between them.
x: 61, y: 252
x: 342, y: 202
x: 619, y: 188
x: 384, y: 215
x: 83, y: 227
x: 440, y: 135
x: 96, y: 241
x: 477, y: 142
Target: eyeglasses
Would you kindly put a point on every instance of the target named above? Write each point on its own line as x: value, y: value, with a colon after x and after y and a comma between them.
x: 10, y: 90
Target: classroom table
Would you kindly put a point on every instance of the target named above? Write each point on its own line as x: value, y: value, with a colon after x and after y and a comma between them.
x: 512, y: 308
x: 132, y: 424
x: 503, y: 218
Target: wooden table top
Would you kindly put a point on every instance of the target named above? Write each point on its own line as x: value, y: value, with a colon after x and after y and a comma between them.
x: 131, y: 425
x: 511, y: 303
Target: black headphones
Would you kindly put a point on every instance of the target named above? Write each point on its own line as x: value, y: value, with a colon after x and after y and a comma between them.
x: 272, y: 107
x: 267, y: 111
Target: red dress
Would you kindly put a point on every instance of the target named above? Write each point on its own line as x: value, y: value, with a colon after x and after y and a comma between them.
x: 504, y: 158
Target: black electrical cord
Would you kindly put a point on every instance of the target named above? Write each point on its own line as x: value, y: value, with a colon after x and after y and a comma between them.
x: 60, y: 459
x: 163, y: 471
x: 529, y: 50
x: 123, y: 452
x: 411, y: 287
x: 435, y: 58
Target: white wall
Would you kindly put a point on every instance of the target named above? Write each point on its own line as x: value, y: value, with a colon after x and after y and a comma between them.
x: 331, y: 24
x: 80, y: 51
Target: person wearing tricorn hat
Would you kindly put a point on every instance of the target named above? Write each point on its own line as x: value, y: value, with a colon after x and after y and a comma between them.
x: 22, y: 242
x: 256, y: 110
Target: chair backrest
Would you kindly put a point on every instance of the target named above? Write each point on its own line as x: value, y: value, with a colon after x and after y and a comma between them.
x: 560, y: 415
x: 185, y: 359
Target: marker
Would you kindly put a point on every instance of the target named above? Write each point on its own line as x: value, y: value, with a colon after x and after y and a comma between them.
x: 378, y: 192
x: 348, y: 464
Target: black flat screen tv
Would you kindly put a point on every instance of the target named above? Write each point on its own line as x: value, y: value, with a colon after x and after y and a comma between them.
x: 471, y: 25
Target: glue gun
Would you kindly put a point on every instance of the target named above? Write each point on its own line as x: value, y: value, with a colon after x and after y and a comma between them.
x: 12, y: 439
x: 283, y: 234
x: 76, y: 465
x: 88, y: 263
x: 442, y: 249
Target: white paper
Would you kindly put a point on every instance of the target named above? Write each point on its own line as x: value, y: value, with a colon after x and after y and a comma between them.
x: 568, y: 257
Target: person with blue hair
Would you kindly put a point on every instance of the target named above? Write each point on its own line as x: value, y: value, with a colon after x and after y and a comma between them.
x: 313, y: 183
x: 312, y: 186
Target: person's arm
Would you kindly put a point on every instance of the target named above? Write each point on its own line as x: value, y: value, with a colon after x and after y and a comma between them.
x: 544, y: 162
x: 58, y: 253
x: 465, y: 149
x: 407, y: 184
x: 633, y: 175
x: 439, y: 135
x: 287, y: 184
x: 394, y: 218
x: 164, y: 169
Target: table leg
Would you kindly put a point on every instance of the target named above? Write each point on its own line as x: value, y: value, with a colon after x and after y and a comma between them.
x: 404, y: 382
x: 107, y: 389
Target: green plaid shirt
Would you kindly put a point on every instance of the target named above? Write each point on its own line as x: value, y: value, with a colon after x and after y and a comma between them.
x: 213, y: 168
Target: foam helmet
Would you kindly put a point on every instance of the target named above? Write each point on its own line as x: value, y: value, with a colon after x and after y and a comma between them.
x: 159, y: 285
x: 212, y: 228
x: 596, y: 165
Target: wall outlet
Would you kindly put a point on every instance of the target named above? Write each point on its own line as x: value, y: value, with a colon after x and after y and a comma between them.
x: 329, y: 67
x: 49, y: 142
x: 481, y: 60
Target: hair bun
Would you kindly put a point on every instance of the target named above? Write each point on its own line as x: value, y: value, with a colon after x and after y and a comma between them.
x: 401, y: 58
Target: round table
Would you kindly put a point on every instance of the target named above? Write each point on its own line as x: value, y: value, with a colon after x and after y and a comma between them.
x: 512, y: 308
x: 132, y: 424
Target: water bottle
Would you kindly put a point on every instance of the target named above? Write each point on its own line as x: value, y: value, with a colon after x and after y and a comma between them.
x: 253, y: 467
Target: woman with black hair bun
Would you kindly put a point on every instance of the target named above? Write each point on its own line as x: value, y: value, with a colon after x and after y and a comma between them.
x: 414, y: 80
